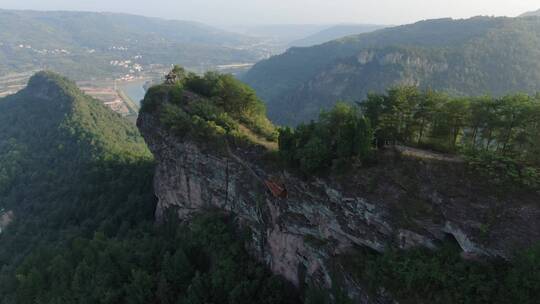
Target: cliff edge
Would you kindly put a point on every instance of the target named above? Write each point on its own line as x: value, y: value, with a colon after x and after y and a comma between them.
x: 406, y: 200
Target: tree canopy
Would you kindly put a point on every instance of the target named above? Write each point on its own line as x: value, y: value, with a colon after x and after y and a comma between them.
x: 222, y: 105
x: 340, y: 136
x: 493, y: 131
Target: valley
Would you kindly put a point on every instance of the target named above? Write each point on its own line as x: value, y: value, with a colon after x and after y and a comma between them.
x: 13, y: 82
x: 106, y: 62
x: 294, y: 154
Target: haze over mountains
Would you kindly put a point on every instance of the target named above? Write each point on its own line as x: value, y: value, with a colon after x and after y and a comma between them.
x: 284, y: 36
x: 481, y: 55
x: 531, y: 13
x: 85, y: 44
x: 335, y: 32
x: 284, y: 33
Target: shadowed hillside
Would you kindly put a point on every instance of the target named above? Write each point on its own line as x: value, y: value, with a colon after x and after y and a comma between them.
x: 476, y: 56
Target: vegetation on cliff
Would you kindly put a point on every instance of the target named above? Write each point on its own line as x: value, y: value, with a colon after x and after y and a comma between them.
x: 210, y: 107
x: 78, y: 179
x: 498, y: 136
x: 498, y: 140
x: 340, y: 137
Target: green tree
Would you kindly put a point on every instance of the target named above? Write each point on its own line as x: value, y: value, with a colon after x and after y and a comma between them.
x: 139, y: 290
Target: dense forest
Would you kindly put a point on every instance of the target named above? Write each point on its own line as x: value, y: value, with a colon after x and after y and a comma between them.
x: 423, y: 276
x: 78, y: 179
x: 497, y: 136
x: 468, y: 57
x: 340, y: 136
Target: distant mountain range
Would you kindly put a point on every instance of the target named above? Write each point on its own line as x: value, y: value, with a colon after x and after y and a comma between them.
x: 532, y: 13
x: 481, y: 55
x: 84, y: 44
x: 335, y: 32
x: 283, y: 34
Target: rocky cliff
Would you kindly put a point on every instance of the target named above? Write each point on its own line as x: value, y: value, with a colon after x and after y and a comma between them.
x: 408, y: 199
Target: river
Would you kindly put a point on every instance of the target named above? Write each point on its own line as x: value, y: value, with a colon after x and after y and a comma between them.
x: 134, y: 90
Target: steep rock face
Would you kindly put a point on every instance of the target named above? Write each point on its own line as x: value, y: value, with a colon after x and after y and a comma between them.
x: 407, y: 200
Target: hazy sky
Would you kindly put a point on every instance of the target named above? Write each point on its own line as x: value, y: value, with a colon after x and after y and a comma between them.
x: 290, y: 11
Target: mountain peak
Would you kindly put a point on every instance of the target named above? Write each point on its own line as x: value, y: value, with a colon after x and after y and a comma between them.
x: 51, y: 86
x: 53, y: 111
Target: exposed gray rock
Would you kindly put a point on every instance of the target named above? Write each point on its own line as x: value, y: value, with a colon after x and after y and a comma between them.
x: 417, y: 202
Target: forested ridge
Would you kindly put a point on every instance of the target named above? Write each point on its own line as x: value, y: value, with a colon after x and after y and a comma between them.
x: 469, y: 57
x: 497, y: 137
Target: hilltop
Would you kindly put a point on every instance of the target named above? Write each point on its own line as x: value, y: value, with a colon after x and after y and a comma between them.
x: 210, y: 108
x: 54, y: 142
x: 460, y: 57
x: 52, y: 111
